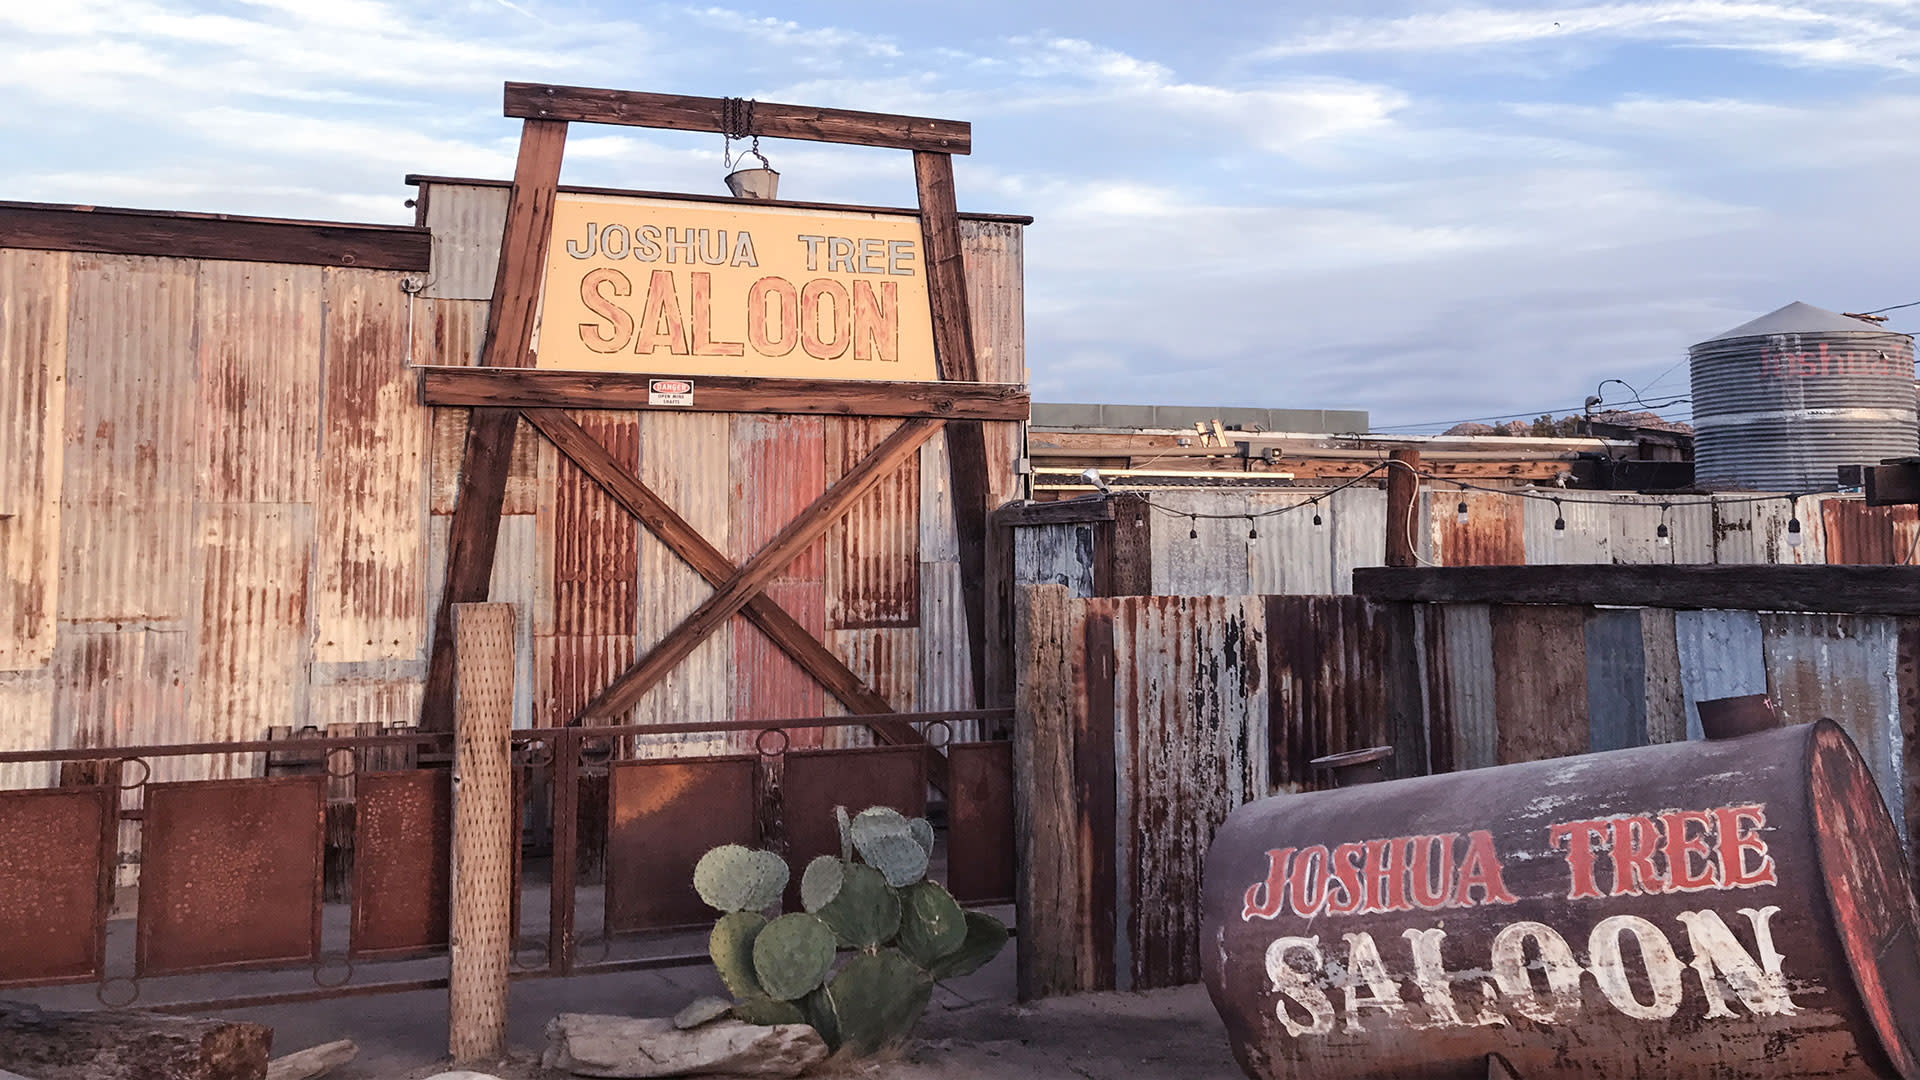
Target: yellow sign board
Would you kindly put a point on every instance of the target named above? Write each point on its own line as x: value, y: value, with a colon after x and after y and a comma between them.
x: 692, y: 288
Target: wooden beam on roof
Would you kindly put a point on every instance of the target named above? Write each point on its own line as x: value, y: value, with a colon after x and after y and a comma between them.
x: 111, y: 231
x: 527, y: 388
x: 753, y: 575
x: 971, y: 491
x: 680, y: 537
x: 678, y: 112
x: 475, y: 529
x: 1863, y: 590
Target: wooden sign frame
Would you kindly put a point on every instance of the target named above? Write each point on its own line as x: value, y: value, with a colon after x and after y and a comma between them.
x: 506, y: 387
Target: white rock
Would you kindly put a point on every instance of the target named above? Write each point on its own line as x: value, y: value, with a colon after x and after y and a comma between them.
x: 622, y: 1046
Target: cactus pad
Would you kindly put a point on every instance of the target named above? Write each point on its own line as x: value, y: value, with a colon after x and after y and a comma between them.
x: 986, y: 936
x: 731, y: 947
x: 923, y: 832
x: 820, y: 882
x: 793, y: 955
x: 701, y: 1011
x: 898, y: 857
x: 878, y: 821
x: 877, y: 998
x: 846, y: 833
x: 733, y: 878
x: 932, y: 926
x: 767, y: 1012
x: 866, y: 912
x: 819, y: 1009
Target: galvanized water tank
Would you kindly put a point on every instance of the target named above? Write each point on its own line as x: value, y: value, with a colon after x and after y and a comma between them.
x: 1781, y: 402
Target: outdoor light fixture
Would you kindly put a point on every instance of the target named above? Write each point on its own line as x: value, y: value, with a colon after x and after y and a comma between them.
x: 1252, y: 534
x: 1092, y: 476
x: 1316, y: 511
x: 1460, y: 512
x: 1193, y: 527
x: 1660, y: 535
x: 1794, y: 539
x: 1559, y: 521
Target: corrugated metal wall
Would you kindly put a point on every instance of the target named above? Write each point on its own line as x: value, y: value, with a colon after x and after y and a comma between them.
x: 222, y: 508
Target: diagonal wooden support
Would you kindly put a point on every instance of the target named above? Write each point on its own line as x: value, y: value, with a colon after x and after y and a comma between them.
x: 636, y: 498
x: 734, y: 594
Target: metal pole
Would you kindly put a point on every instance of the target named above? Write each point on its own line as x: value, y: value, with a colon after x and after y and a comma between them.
x: 483, y: 833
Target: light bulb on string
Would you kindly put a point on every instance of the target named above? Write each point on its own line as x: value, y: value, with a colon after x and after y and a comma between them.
x: 1252, y: 533
x: 1316, y: 511
x: 1460, y: 512
x: 1794, y: 538
x: 1559, y: 521
x: 1661, y: 535
x: 1193, y: 527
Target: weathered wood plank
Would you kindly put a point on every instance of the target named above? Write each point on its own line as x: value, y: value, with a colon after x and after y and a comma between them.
x: 1871, y: 590
x: 680, y: 112
x: 1094, y: 798
x: 1540, y: 682
x: 180, y: 235
x: 1046, y: 895
x: 548, y: 388
x: 1660, y: 652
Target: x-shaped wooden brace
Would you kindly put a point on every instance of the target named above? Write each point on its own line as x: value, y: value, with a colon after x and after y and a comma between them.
x: 741, y: 588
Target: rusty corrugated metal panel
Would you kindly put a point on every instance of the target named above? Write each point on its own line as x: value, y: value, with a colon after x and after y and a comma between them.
x: 33, y: 386
x: 1750, y: 532
x: 369, y: 587
x: 1326, y: 690
x: 1460, y: 688
x: 26, y: 723
x: 938, y: 540
x: 467, y: 222
x: 885, y: 658
x: 448, y: 333
x: 517, y: 580
x: 945, y: 673
x: 1006, y: 446
x: 1212, y: 564
x: 1720, y: 656
x: 1857, y: 534
x: 250, y: 622
x: 1843, y: 668
x: 1190, y: 704
x: 126, y: 500
x: 685, y: 459
x: 569, y: 669
x: 1357, y: 518
x: 1587, y: 538
x: 387, y: 702
x: 779, y: 466
x: 259, y: 327
x: 595, y: 542
x: 1616, y: 680
x: 1054, y: 555
x: 449, y: 440
x: 873, y: 553
x: 1493, y: 534
x: 1635, y: 529
x: 994, y: 253
x: 1292, y: 555
x: 764, y: 683
x: 122, y: 687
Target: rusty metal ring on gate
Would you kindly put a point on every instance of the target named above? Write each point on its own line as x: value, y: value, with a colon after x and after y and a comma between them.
x: 946, y: 732
x: 539, y: 752
x: 760, y: 742
x: 146, y: 773
x: 523, y: 946
x: 596, y: 750
x: 100, y: 992
x: 345, y: 978
x: 353, y: 764
x: 606, y: 950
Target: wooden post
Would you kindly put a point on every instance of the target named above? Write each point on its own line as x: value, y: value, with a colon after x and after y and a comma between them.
x: 483, y: 833
x: 1046, y: 838
x: 1403, y: 502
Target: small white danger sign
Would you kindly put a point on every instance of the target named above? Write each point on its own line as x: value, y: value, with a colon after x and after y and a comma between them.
x: 669, y: 392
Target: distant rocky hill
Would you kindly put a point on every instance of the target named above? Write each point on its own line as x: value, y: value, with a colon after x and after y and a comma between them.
x: 1547, y: 427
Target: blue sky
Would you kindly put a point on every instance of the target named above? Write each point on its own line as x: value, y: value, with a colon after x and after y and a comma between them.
x: 1432, y: 210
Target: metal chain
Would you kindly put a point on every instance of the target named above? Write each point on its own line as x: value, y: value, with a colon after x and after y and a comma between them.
x: 736, y: 120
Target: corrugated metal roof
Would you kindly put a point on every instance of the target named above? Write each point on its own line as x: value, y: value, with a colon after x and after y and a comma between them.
x: 33, y: 383
x: 1800, y: 318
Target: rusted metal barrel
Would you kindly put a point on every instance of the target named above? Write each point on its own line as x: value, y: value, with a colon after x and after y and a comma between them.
x: 1724, y: 909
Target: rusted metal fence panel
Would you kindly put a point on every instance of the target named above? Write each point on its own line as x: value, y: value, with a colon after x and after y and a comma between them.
x: 403, y: 837
x: 55, y: 883
x: 816, y: 781
x: 33, y: 371
x: 1759, y: 531
x: 1660, y: 657
x: 1326, y: 683
x: 1357, y: 518
x: 1843, y: 668
x: 1720, y: 656
x: 1055, y: 555
x: 662, y: 816
x: 1857, y: 534
x: 980, y: 850
x: 1460, y: 686
x: 1586, y: 535
x: 1213, y: 563
x: 1493, y: 533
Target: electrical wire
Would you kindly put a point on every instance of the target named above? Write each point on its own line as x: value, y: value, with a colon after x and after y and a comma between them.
x: 1892, y: 307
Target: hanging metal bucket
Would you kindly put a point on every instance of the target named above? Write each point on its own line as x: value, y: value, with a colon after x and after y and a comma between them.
x: 760, y: 183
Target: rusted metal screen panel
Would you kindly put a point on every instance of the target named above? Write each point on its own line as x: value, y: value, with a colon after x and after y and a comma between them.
x: 1660, y: 652
x: 239, y: 863
x: 1214, y: 563
x: 662, y: 816
x: 53, y: 866
x: 994, y: 254
x: 259, y: 327
x: 1493, y: 533
x: 1291, y: 555
x: 1586, y: 539
x: 1357, y: 518
x: 1539, y: 682
x: 1857, y: 534
x: 402, y: 862
x: 885, y: 659
x: 467, y: 222
x: 1190, y: 720
x: 980, y: 834
x: 1616, y: 680
x: 1720, y: 656
x: 1749, y: 532
x: 1326, y: 689
x: 26, y: 723
x: 1054, y: 555
x: 944, y: 670
x: 1458, y: 639
x: 33, y: 387
x: 873, y: 553
x: 1843, y: 668
x: 939, y: 542
x: 684, y: 458
x: 251, y: 630
x: 126, y: 502
x: 369, y: 585
x: 123, y: 687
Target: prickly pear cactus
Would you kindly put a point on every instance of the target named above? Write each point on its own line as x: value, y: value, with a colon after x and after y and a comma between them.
x: 877, y: 999
x: 923, y: 833
x: 731, y: 947
x: 793, y: 955
x: 865, y: 913
x: 819, y: 1009
x: 820, y: 882
x: 733, y: 878
x: 932, y: 925
x: 986, y: 936
x: 701, y: 1011
x: 898, y: 857
x: 846, y: 833
x: 877, y: 821
x: 767, y: 1012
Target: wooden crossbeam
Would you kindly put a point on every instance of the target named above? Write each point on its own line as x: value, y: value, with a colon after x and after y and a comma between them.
x: 678, y: 112
x: 753, y: 575
x: 528, y: 388
x: 681, y: 538
x: 475, y: 530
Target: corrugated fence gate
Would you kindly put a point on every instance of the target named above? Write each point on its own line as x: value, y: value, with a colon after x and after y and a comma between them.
x: 1141, y: 721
